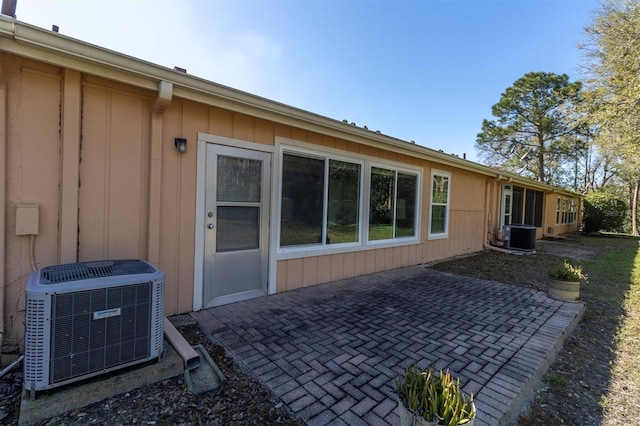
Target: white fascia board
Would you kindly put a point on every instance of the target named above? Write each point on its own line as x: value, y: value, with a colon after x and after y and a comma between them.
x: 36, y: 43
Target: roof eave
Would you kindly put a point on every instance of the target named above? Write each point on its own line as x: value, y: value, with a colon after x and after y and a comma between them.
x: 36, y: 43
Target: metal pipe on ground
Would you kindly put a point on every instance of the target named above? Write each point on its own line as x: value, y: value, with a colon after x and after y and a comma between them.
x: 11, y: 366
x: 183, y: 348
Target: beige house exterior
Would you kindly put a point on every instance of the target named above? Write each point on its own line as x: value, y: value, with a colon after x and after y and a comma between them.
x: 266, y: 198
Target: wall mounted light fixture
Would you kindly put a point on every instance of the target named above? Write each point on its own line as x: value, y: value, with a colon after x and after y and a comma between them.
x: 181, y: 144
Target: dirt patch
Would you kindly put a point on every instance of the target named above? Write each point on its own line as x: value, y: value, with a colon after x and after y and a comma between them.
x: 527, y: 271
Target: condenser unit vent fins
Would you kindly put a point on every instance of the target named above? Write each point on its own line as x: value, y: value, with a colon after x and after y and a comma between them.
x: 86, y: 270
x: 82, y: 343
x: 523, y: 237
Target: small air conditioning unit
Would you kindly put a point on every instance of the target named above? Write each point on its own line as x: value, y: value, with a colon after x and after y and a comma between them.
x: 523, y: 237
x: 89, y: 318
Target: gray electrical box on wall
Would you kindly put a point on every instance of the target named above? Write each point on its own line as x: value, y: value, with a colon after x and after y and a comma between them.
x: 27, y: 218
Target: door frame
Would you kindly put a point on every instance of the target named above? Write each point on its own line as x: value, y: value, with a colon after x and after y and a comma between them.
x: 504, y: 191
x: 200, y: 219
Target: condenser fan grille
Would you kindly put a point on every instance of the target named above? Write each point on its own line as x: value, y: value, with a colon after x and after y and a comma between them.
x: 86, y: 270
x: 95, y: 330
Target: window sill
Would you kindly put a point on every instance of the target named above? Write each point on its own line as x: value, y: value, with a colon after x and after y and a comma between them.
x: 310, y: 251
x: 437, y: 236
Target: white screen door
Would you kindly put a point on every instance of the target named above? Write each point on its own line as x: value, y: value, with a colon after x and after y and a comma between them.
x: 236, y: 224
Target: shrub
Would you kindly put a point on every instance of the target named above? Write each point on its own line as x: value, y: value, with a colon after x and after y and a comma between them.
x: 435, y: 397
x: 603, y: 211
x: 567, y: 272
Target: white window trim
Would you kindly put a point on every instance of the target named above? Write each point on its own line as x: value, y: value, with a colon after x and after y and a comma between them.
x: 306, y: 249
x: 294, y: 252
x: 569, y: 203
x: 398, y: 169
x: 445, y: 234
x: 559, y: 207
x: 506, y: 190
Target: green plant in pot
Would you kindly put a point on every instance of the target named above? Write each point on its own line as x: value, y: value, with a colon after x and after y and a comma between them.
x: 564, y: 281
x: 425, y: 398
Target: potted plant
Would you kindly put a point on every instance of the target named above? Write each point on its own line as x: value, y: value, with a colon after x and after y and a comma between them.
x: 564, y: 282
x: 425, y: 398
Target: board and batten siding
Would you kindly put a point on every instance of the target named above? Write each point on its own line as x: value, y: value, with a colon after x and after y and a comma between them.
x: 114, y: 170
x: 122, y: 141
x: 32, y: 176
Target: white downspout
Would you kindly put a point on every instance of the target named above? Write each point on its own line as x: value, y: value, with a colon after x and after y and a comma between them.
x: 165, y: 95
x: 487, y: 242
x: 3, y: 198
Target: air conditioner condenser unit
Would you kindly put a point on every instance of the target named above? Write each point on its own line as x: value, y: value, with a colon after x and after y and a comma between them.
x: 89, y: 318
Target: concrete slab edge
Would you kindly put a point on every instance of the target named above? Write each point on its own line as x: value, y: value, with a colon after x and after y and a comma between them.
x: 521, y: 402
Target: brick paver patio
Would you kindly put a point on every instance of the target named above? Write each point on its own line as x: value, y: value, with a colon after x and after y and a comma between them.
x: 332, y: 352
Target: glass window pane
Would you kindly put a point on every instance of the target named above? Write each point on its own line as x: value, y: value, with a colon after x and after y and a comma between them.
x: 238, y: 179
x: 438, y: 219
x: 344, y: 202
x: 406, y: 205
x: 302, y: 199
x: 238, y: 228
x: 440, y: 189
x: 381, y: 204
x: 439, y: 204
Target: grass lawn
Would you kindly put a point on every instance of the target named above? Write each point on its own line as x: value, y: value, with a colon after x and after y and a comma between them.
x: 596, y: 377
x: 614, y: 282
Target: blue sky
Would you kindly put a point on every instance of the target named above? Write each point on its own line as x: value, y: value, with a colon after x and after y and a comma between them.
x: 427, y: 71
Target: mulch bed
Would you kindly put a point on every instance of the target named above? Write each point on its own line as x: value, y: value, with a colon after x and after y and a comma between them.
x: 240, y: 400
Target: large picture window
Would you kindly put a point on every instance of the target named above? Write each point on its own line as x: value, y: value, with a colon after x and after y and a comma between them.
x: 334, y: 203
x: 320, y: 201
x: 392, y: 204
x: 301, y: 205
x: 439, y: 218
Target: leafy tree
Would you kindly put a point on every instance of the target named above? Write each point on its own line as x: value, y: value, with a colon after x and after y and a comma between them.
x: 603, y: 211
x: 534, y: 120
x: 612, y: 95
